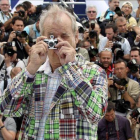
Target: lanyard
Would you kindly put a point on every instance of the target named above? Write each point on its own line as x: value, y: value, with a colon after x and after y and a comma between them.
x: 117, y: 129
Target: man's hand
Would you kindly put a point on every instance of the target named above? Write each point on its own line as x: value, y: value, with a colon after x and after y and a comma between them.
x: 110, y: 81
x: 137, y: 38
x: 65, y: 52
x: 119, y: 87
x: 109, y: 44
x: 22, y: 39
x: 12, y: 36
x: 38, y: 55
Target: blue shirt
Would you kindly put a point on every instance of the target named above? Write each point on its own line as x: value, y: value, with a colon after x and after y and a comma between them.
x: 27, y: 29
x: 108, y: 13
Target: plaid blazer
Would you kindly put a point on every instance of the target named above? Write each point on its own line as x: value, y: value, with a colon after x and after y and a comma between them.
x: 78, y: 105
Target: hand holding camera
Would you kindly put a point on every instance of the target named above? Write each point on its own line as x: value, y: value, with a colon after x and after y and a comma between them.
x: 109, y: 44
x: 12, y: 36
x: 137, y: 38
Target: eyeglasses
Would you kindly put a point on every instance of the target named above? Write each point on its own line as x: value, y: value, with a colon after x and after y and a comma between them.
x: 4, y: 4
x: 107, y: 49
x: 91, y: 11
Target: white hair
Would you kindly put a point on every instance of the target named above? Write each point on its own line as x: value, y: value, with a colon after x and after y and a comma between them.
x: 54, y: 12
x: 91, y: 6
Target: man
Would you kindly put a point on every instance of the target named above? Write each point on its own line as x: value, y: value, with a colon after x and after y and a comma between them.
x: 33, y: 10
x: 129, y: 90
x: 4, y: 13
x: 114, y: 126
x: 106, y: 61
x: 91, y: 12
x: 22, y: 43
x: 127, y: 8
x: 108, y: 41
x: 98, y: 30
x: 121, y: 24
x: 135, y: 54
x: 110, y: 11
x: 60, y: 96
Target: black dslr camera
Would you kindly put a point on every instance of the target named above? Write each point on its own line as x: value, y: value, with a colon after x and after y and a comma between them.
x: 51, y: 42
x: 119, y: 12
x: 84, y: 22
x: 21, y: 13
x: 92, y: 33
x: 121, y: 105
x: 135, y: 114
x: 8, y: 48
x: 132, y: 65
x: 21, y: 34
x: 121, y: 82
x: 92, y: 51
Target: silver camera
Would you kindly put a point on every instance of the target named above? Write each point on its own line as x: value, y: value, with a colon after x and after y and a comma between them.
x: 51, y: 42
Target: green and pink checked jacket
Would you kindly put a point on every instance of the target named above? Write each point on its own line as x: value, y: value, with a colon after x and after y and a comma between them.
x: 78, y: 105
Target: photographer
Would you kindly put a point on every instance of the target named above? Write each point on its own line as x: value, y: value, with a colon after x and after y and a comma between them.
x: 22, y: 40
x: 123, y: 30
x: 113, y: 127
x: 113, y: 38
x: 9, y: 62
x: 127, y: 8
x: 134, y: 72
x: 123, y: 87
x: 134, y: 118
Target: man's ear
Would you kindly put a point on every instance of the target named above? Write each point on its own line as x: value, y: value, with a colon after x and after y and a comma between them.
x: 76, y: 37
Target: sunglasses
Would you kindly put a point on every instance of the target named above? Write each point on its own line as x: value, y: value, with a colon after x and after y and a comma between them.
x: 91, y: 11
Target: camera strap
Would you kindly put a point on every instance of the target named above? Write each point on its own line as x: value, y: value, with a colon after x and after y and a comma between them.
x: 116, y: 127
x: 1, y: 64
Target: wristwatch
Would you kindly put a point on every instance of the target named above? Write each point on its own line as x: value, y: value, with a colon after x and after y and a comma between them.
x: 25, y: 44
x: 122, y: 91
x: 2, y: 127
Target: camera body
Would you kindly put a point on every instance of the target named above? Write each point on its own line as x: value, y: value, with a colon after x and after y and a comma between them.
x: 118, y: 81
x: 135, y: 114
x: 132, y: 65
x: 21, y: 13
x: 84, y: 22
x: 51, y: 42
x: 8, y: 48
x: 21, y: 34
x: 121, y: 105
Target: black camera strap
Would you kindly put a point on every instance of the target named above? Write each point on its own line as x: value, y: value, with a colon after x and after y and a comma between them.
x: 1, y: 64
x: 116, y: 127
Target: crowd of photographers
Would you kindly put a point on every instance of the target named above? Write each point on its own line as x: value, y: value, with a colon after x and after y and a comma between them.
x: 112, y: 41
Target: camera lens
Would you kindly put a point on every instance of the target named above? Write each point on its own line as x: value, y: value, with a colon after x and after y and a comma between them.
x: 51, y: 44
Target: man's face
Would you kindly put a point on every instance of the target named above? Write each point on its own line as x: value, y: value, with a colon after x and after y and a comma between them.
x: 86, y: 44
x: 122, y: 28
x: 109, y: 33
x: 91, y: 13
x: 127, y: 9
x: 31, y: 10
x: 4, y: 6
x: 20, y: 8
x: 110, y: 116
x: 120, y: 70
x: 2, y: 32
x: 105, y: 58
x: 18, y: 26
x: 61, y: 28
x: 135, y: 55
x: 113, y: 4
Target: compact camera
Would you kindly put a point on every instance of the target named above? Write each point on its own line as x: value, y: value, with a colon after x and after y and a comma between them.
x: 51, y: 42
